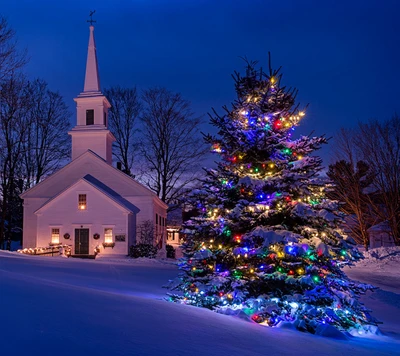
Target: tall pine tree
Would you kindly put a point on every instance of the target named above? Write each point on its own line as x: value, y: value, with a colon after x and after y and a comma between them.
x: 266, y: 239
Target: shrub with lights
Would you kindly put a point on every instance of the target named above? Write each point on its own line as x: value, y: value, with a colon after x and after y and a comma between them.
x: 266, y: 240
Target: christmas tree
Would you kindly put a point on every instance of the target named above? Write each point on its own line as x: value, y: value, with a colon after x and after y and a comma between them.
x: 266, y: 240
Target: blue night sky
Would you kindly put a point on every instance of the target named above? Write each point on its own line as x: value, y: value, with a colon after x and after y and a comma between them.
x: 343, y: 56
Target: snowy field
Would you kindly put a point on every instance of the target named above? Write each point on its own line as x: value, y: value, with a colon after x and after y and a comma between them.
x: 58, y: 306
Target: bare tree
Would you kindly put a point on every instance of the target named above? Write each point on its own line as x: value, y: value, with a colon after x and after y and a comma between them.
x: 146, y: 232
x: 11, y: 116
x: 171, y: 146
x: 345, y: 148
x: 378, y: 144
x: 14, y: 105
x: 124, y: 111
x: 350, y: 184
x: 33, y: 142
x: 46, y: 143
x: 10, y: 58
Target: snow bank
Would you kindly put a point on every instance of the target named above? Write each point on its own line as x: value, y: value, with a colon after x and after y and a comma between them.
x: 380, y: 267
x: 117, y: 307
x: 383, y: 254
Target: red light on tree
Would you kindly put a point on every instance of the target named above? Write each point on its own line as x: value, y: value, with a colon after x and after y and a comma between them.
x: 277, y: 124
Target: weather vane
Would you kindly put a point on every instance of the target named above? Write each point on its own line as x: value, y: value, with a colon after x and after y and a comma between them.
x: 91, y: 18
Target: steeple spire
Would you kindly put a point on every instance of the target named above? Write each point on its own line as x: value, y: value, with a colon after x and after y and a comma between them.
x: 92, y: 80
x: 91, y: 132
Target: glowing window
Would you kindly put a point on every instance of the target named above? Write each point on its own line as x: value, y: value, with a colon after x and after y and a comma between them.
x: 55, y: 236
x: 82, y: 202
x: 108, y: 235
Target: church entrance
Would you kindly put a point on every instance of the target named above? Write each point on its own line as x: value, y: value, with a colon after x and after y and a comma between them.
x: 81, y: 241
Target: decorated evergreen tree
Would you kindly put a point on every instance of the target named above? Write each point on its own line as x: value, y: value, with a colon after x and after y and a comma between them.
x: 266, y: 240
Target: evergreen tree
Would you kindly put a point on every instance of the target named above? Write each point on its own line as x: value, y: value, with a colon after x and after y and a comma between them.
x: 266, y: 241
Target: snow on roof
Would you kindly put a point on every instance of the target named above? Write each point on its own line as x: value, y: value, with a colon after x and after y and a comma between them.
x: 383, y: 226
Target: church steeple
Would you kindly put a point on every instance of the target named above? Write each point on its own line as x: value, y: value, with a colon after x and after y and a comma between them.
x: 90, y: 132
x: 92, y: 80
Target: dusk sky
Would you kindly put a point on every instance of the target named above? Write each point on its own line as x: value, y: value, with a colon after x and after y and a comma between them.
x: 343, y: 56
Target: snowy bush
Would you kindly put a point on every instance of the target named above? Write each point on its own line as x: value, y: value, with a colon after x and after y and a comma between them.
x: 143, y: 250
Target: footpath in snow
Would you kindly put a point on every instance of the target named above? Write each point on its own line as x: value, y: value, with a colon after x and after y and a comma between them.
x: 116, y: 307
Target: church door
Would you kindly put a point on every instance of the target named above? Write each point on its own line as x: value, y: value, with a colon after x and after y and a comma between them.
x: 81, y: 241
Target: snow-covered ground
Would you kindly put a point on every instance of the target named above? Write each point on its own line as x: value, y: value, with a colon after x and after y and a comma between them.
x: 381, y: 269
x: 116, y: 307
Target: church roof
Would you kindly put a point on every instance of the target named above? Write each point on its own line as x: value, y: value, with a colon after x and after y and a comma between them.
x: 73, y: 169
x: 102, y: 188
x: 111, y: 193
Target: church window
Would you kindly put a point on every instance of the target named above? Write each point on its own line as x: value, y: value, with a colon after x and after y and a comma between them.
x: 55, y: 236
x: 90, y: 117
x: 82, y: 202
x: 105, y: 119
x: 108, y: 235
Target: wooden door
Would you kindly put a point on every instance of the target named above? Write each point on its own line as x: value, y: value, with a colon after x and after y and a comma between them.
x: 81, y: 241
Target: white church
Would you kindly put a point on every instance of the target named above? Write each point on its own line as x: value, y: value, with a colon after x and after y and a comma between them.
x: 88, y: 203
